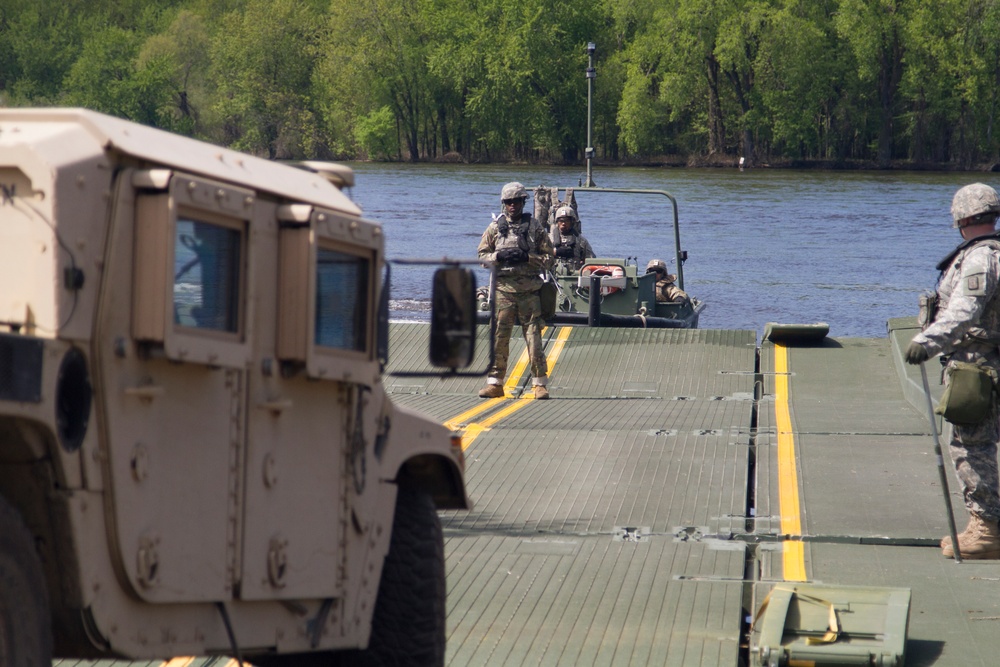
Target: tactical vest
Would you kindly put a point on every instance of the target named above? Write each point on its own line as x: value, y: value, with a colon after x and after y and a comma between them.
x: 525, y: 235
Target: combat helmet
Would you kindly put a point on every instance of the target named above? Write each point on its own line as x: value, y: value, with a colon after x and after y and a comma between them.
x: 656, y: 265
x: 566, y: 211
x: 513, y: 190
x: 974, y: 200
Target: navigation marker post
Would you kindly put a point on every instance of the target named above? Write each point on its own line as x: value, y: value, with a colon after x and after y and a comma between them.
x: 589, y: 151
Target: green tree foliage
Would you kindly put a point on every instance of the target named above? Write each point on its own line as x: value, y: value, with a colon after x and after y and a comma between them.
x: 263, y: 56
x: 376, y: 134
x: 880, y: 81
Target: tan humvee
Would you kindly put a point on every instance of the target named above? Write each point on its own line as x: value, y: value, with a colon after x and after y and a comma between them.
x: 197, y: 455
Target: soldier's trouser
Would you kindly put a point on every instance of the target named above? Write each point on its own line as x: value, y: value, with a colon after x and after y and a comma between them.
x: 974, y: 453
x: 527, y: 307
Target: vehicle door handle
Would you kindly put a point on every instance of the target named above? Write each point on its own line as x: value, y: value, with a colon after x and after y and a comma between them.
x: 276, y: 405
x: 147, y: 391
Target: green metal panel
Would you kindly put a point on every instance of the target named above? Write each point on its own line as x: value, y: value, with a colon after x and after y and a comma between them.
x: 659, y: 363
x: 955, y: 610
x: 572, y: 600
x: 589, y: 482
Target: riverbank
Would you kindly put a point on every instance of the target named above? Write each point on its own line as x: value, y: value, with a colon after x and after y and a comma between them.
x: 733, y: 162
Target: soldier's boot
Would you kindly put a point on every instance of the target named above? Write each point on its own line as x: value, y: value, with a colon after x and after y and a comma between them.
x: 946, y: 540
x: 491, y: 391
x: 541, y: 393
x: 979, y: 541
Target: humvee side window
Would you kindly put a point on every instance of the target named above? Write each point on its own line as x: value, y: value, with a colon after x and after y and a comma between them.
x: 341, y: 300
x: 191, y: 265
x: 207, y: 261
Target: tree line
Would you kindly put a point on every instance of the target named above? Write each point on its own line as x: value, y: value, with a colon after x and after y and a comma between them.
x: 876, y: 82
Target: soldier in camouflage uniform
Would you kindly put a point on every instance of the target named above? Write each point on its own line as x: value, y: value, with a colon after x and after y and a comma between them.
x: 666, y: 288
x: 966, y: 328
x: 521, y: 249
x: 570, y: 245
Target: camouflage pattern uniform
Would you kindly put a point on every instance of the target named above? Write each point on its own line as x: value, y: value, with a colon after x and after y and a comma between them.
x: 666, y: 289
x: 580, y: 247
x: 969, y: 313
x: 517, y: 288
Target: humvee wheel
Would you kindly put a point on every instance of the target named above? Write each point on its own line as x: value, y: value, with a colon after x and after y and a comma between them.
x: 409, y: 622
x: 25, y: 622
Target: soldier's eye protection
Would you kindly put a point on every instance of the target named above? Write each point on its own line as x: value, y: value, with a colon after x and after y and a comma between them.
x: 511, y: 202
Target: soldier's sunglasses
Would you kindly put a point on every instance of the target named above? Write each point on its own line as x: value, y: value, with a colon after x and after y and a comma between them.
x: 509, y: 202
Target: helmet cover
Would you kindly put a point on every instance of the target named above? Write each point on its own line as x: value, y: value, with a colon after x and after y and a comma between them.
x: 513, y: 190
x: 656, y: 265
x: 972, y: 200
x: 566, y: 211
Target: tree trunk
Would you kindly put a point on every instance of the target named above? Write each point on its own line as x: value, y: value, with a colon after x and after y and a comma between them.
x: 890, y: 72
x: 716, y: 126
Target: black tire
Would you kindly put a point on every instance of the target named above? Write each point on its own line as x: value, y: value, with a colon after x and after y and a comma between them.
x: 408, y: 627
x: 409, y: 623
x: 25, y: 621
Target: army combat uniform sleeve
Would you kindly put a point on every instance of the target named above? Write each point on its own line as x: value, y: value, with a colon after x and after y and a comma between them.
x: 967, y: 289
x: 544, y: 256
x: 488, y: 244
x: 586, y: 252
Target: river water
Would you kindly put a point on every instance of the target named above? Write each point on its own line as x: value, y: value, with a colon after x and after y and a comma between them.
x: 849, y: 248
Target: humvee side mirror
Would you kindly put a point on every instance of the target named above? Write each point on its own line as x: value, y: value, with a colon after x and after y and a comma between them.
x: 453, y: 318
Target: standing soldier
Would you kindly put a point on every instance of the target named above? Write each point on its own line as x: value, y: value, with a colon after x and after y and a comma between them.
x: 571, y: 247
x: 521, y: 249
x: 966, y: 328
x: 666, y: 288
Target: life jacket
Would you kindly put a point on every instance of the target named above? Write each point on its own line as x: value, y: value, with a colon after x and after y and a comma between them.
x: 599, y: 270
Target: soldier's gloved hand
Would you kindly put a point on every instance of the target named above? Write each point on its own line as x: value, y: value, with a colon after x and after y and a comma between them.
x: 564, y: 251
x: 916, y: 354
x: 512, y: 256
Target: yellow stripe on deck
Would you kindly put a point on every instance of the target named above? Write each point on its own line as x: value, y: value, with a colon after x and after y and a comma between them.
x: 793, y: 551
x: 472, y: 431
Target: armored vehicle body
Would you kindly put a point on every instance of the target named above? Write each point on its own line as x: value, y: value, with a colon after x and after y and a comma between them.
x: 197, y: 454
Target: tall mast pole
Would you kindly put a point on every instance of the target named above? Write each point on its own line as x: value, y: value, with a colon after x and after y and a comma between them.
x: 589, y: 152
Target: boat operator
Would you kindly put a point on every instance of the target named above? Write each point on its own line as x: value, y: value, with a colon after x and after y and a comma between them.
x: 571, y: 247
x: 666, y: 288
x: 521, y: 249
x: 964, y: 327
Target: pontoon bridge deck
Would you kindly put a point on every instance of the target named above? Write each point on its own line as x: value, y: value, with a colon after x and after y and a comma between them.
x: 641, y: 515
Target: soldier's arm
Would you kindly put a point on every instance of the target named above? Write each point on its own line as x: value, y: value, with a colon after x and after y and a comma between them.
x: 979, y: 282
x: 544, y: 255
x: 588, y: 252
x: 488, y: 245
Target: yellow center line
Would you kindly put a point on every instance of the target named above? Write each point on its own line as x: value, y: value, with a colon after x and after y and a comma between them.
x: 793, y: 551
x: 472, y: 431
x: 455, y: 423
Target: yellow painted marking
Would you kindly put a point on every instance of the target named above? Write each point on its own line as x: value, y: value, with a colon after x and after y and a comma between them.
x: 179, y: 662
x: 455, y: 423
x: 514, y: 377
x: 793, y: 551
x: 472, y: 431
